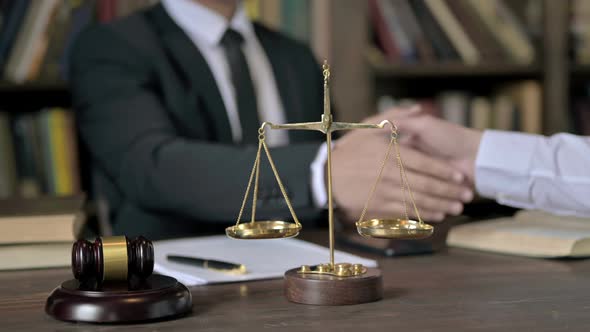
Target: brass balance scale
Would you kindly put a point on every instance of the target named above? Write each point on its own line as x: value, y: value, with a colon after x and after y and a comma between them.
x: 331, y: 283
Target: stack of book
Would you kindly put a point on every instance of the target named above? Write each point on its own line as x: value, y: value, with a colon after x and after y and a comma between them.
x: 39, y: 154
x: 466, y: 31
x: 514, y: 106
x: 38, y: 233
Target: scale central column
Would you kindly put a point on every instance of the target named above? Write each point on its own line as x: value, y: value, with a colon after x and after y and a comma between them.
x: 330, y: 205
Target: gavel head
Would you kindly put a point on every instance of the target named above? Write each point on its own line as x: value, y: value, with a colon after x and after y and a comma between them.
x: 113, y: 258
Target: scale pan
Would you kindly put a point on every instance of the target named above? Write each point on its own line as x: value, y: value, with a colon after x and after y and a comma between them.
x: 267, y: 229
x: 394, y: 229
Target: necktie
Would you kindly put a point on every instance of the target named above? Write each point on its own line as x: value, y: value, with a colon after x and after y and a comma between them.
x: 244, y: 88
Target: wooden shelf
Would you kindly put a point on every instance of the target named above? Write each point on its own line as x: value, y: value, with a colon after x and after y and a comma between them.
x: 32, y: 87
x: 454, y: 70
x: 33, y: 96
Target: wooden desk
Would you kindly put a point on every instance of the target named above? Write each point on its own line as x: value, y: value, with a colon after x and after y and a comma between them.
x: 450, y: 291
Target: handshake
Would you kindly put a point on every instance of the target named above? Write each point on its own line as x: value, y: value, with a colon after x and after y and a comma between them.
x: 439, y: 159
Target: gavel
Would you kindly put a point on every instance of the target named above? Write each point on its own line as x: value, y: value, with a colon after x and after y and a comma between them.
x: 114, y: 258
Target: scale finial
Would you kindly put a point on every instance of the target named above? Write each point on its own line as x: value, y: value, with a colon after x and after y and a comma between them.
x: 327, y: 117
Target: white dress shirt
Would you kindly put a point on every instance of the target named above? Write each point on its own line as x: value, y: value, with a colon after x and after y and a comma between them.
x: 535, y: 172
x: 206, y: 28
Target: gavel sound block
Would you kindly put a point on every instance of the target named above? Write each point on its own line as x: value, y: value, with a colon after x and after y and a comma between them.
x: 114, y: 284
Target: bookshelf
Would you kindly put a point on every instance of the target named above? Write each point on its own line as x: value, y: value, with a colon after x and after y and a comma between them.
x: 382, y: 69
x: 561, y: 80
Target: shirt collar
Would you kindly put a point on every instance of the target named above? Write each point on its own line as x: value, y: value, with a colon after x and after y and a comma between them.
x: 204, y: 24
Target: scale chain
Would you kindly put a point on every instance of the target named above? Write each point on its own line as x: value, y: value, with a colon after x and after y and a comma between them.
x: 407, y: 183
x: 283, y: 191
x: 256, y: 165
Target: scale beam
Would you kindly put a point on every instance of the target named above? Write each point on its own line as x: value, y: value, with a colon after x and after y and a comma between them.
x: 328, y: 126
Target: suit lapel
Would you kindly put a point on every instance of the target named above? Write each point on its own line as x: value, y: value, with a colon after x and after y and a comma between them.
x: 195, y: 71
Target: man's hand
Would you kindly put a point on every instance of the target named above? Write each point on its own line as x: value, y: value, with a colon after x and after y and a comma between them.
x: 438, y: 187
x: 438, y: 138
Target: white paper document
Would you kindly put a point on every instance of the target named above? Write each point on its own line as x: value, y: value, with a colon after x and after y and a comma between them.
x: 264, y: 259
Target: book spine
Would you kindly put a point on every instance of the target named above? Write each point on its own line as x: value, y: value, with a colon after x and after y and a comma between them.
x: 58, y: 127
x: 24, y: 139
x: 14, y: 19
x: 454, y: 31
x: 7, y: 159
x: 383, y: 34
x: 71, y: 139
x: 397, y: 30
x: 442, y: 46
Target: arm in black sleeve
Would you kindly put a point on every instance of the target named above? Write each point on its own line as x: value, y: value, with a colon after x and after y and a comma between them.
x: 133, y: 138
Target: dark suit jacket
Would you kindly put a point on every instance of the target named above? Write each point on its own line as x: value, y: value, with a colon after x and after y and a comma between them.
x: 154, y: 122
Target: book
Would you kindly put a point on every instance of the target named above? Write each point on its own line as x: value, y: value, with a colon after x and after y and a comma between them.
x: 481, y: 113
x: 62, y: 152
x: 527, y: 233
x: 504, y: 113
x: 263, y: 259
x: 528, y: 99
x: 35, y: 256
x: 485, y: 42
x: 507, y: 29
x: 432, y: 30
x: 454, y: 106
x: 28, y: 156
x: 415, y: 32
x: 398, y: 31
x: 41, y: 220
x: 451, y: 27
x: 38, y: 228
x: 57, y: 33
x: 7, y: 159
x: 14, y: 15
x: 384, y: 36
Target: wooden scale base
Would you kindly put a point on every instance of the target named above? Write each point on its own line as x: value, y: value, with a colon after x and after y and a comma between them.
x: 331, y: 290
x: 157, y: 297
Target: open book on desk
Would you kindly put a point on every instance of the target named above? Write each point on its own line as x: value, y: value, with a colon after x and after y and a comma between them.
x: 528, y: 233
x: 264, y: 259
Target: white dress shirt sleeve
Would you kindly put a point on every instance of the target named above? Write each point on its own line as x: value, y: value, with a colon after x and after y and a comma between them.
x: 318, y: 171
x: 535, y: 172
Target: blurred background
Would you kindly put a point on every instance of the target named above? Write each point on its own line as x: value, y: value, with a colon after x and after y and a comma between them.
x: 506, y: 64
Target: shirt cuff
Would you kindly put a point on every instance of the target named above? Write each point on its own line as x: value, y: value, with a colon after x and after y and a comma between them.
x: 503, y: 165
x: 318, y: 183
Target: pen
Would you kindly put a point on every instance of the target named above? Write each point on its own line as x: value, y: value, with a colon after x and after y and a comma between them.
x: 210, y: 264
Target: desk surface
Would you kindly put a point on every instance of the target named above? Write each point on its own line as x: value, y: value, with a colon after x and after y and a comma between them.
x: 450, y: 291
